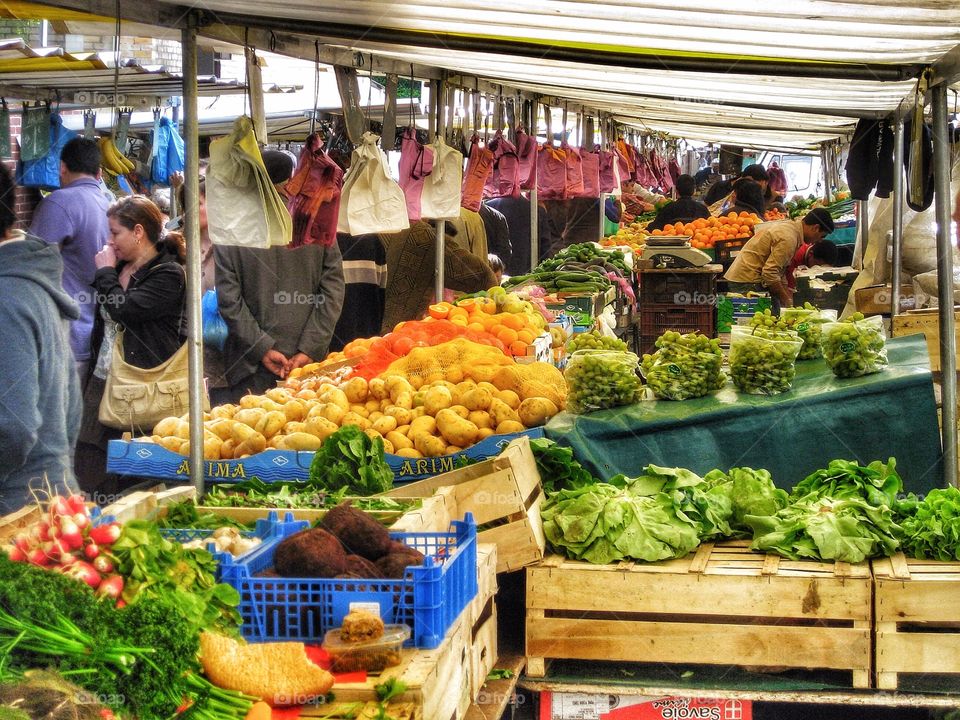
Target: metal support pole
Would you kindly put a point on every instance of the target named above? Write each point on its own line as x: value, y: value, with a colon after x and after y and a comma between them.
x: 438, y: 260
x: 534, y: 230
x: 192, y: 234
x: 825, y: 166
x: 896, y: 260
x: 603, y: 215
x: 948, y: 348
x: 863, y: 225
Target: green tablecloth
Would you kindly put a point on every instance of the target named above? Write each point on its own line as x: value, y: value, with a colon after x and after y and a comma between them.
x: 888, y: 414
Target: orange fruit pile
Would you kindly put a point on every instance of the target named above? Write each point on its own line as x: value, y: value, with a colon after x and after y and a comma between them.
x: 703, y: 233
x: 515, y: 330
x: 770, y: 215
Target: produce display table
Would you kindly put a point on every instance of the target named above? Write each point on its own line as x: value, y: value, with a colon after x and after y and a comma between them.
x: 888, y: 414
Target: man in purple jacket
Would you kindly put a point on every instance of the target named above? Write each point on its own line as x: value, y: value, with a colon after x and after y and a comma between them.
x: 75, y: 218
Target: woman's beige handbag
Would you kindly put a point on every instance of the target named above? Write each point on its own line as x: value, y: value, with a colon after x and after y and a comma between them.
x: 141, y: 397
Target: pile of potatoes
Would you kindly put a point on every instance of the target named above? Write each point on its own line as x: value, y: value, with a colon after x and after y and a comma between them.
x: 437, y: 419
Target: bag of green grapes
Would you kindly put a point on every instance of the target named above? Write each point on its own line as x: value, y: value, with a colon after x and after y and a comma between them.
x: 762, y: 359
x: 598, y: 379
x: 856, y: 346
x: 684, y: 366
x: 808, y: 322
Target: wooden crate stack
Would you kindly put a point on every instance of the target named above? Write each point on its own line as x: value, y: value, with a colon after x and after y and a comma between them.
x: 917, y: 618
x: 722, y: 605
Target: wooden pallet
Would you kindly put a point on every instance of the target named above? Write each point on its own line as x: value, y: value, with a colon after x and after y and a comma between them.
x: 917, y: 618
x: 723, y: 605
x: 503, y: 493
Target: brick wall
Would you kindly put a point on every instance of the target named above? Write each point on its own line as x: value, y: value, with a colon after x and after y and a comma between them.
x: 26, y: 199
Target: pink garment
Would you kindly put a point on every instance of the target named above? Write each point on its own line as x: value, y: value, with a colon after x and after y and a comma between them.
x: 551, y: 172
x: 624, y: 168
x: 608, y: 171
x: 416, y: 162
x: 314, y: 196
x: 505, y: 179
x: 527, y: 153
x: 573, y: 171
x: 674, y: 168
x: 479, y: 167
x: 778, y: 179
x: 640, y: 168
x: 591, y: 173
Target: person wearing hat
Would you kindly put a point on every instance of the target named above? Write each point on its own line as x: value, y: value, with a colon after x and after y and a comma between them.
x: 280, y: 304
x: 762, y: 262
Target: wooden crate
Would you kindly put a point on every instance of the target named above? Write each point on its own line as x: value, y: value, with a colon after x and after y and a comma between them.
x: 723, y: 605
x: 483, y: 648
x: 438, y: 680
x: 18, y: 521
x: 917, y: 618
x: 486, y: 580
x: 503, y: 493
x: 928, y: 323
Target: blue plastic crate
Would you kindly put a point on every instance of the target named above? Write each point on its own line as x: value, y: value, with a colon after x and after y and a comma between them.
x: 429, y: 598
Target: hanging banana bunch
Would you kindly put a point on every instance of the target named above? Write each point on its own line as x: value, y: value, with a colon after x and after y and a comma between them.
x: 113, y: 161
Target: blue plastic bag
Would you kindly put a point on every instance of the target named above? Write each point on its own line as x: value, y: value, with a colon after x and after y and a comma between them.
x: 44, y: 172
x: 214, y: 326
x: 169, y: 153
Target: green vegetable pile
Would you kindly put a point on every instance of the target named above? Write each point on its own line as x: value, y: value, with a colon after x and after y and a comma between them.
x: 559, y: 469
x: 587, y: 255
x: 598, y: 379
x: 293, y: 495
x: 350, y: 459
x: 140, y: 660
x: 185, y: 515
x: 931, y: 526
x: 855, y: 347
x: 763, y: 355
x: 595, y: 341
x: 807, y: 322
x: 684, y: 366
x: 844, y: 512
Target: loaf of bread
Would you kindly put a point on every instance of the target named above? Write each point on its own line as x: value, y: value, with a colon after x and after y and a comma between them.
x: 278, y: 673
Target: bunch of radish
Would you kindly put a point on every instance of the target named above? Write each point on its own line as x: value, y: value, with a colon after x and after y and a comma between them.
x: 67, y: 541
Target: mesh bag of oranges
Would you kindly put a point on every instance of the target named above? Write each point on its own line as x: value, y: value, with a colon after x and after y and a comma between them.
x: 454, y: 361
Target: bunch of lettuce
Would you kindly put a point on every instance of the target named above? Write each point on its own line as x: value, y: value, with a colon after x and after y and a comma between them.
x: 931, y: 526
x: 751, y: 492
x: 843, y: 512
x: 350, y: 459
x: 559, y: 469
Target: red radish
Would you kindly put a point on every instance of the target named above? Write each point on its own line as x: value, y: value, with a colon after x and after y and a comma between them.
x: 38, y: 557
x: 59, y: 506
x: 70, y: 533
x: 15, y: 553
x: 84, y: 571
x: 105, y: 534
x: 91, y: 551
x: 51, y: 550
x: 120, y: 604
x: 43, y: 530
x: 111, y: 586
x: 77, y: 504
x: 81, y: 520
x: 22, y: 541
x: 102, y: 564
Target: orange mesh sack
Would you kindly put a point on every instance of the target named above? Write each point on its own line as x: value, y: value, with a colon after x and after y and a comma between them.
x: 537, y: 379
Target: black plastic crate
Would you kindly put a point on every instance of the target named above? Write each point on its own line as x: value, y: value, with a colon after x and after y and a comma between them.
x: 676, y: 287
x: 655, y: 320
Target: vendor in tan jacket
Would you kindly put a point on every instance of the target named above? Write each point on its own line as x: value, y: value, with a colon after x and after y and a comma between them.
x: 761, y: 264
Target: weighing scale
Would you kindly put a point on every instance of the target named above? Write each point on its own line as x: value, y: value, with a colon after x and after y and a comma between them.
x: 673, y: 251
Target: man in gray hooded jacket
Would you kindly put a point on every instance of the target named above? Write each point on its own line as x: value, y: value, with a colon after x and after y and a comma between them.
x: 39, y: 393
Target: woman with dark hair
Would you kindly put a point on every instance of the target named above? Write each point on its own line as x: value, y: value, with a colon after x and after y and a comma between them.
x: 140, y: 288
x: 747, y: 196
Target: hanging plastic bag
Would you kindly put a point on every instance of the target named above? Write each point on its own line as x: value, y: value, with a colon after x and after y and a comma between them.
x: 35, y: 138
x: 684, y: 366
x: 168, y: 152
x: 440, y: 198
x: 243, y: 206
x: 505, y: 179
x: 551, y: 172
x: 215, y: 329
x: 371, y: 200
x: 573, y: 171
x: 590, y: 164
x: 416, y: 164
x: 763, y: 360
x: 479, y: 168
x: 314, y: 192
x: 598, y: 379
x: 5, y: 146
x: 855, y: 347
x: 44, y: 172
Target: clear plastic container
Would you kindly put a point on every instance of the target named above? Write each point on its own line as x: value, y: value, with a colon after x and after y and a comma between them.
x: 372, y: 656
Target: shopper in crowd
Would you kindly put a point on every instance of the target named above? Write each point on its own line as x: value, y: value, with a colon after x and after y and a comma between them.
x: 762, y: 262
x: 39, y: 387
x: 517, y: 213
x: 811, y: 255
x: 719, y: 196
x: 280, y: 304
x: 498, y: 232
x: 683, y: 209
x: 746, y: 196
x: 140, y: 288
x: 496, y: 264
x: 75, y: 218
x: 365, y: 285
x: 410, y: 263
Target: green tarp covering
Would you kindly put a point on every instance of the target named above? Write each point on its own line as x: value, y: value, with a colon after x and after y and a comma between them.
x: 888, y: 414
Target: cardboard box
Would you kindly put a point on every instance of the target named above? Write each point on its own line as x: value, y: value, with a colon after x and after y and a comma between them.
x: 582, y: 706
x: 876, y: 299
x: 582, y: 308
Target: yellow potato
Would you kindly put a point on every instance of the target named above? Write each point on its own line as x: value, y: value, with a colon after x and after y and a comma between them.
x: 356, y: 390
x: 171, y: 443
x: 385, y: 424
x: 359, y: 409
x: 416, y: 382
x: 352, y: 418
x: 372, y: 406
x: 321, y: 427
x: 249, y: 416
x: 293, y: 427
x: 228, y: 449
x: 403, y: 415
x: 455, y: 429
x: 418, y: 412
x: 478, y: 399
x: 271, y: 423
x: 223, y: 411
x: 437, y: 399
x: 254, y: 444
x: 377, y: 389
x: 295, y: 410
x: 501, y: 412
x: 489, y: 386
x: 461, y: 411
x: 388, y: 447
x: 484, y: 433
x: 374, y: 416
x: 509, y: 397
x: 425, y: 424
x: 404, y: 400
x: 510, y: 426
x: 536, y: 411
x: 398, y: 440
x: 301, y: 441
x: 279, y: 395
x: 220, y: 427
x: 337, y: 397
x: 250, y: 401
x: 480, y: 418
x: 461, y: 389
x: 306, y: 394
x: 409, y: 453
x: 183, y: 430
x: 332, y: 412
x: 166, y: 427
x: 270, y: 406
x: 403, y: 429
x: 429, y: 445
x: 454, y: 374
